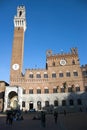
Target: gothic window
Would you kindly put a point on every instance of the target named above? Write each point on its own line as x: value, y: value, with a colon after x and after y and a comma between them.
x: 79, y: 102
x: 71, y: 103
x: 46, y: 90
x: 23, y: 104
x: 38, y: 76
x: 46, y: 103
x: 85, y: 88
x: 60, y: 75
x: 77, y: 89
x: 38, y: 91
x: 62, y: 90
x: 75, y: 74
x: 39, y: 105
x: 20, y: 13
x: 30, y: 91
x: 84, y: 73
x: 24, y: 91
x: 67, y: 74
x: 45, y: 75
x: 55, y: 103
x: 30, y: 75
x: 63, y: 102
x: 53, y: 75
x: 54, y: 90
x: 69, y: 89
x: 53, y: 63
x: 73, y: 62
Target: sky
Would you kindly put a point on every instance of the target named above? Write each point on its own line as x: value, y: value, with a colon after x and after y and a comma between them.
x: 51, y: 25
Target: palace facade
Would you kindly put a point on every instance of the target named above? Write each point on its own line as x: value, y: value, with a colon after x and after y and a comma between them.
x: 61, y: 85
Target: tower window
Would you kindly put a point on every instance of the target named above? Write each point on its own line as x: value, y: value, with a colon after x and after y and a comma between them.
x: 20, y: 13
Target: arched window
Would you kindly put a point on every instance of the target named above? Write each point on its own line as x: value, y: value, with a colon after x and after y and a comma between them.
x: 38, y: 91
x: 38, y: 75
x: 71, y: 102
x: 63, y: 102
x: 30, y: 75
x: 77, y: 88
x: 30, y: 91
x: 73, y: 62
x: 46, y: 90
x: 55, y: 103
x: 20, y: 13
x: 46, y: 103
x: 53, y: 75
x: 23, y: 104
x: 53, y: 63
x: 45, y: 75
x: 39, y: 105
x: 79, y: 101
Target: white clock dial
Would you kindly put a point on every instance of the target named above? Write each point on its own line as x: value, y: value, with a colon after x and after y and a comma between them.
x: 15, y: 66
x: 62, y: 62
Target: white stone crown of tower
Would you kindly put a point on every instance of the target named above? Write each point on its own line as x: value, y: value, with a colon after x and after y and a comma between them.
x: 20, y: 19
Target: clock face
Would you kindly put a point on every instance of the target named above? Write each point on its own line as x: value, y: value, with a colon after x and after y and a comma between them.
x: 62, y: 62
x: 15, y: 66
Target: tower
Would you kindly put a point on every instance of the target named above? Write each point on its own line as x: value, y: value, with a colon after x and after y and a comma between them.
x: 18, y: 44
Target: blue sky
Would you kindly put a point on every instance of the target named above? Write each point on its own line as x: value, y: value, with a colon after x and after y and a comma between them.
x: 51, y: 24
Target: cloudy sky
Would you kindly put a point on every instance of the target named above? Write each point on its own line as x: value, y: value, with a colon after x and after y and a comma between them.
x: 51, y: 24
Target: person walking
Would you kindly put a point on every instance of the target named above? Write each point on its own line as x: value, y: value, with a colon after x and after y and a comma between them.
x: 43, y: 119
x: 55, y: 116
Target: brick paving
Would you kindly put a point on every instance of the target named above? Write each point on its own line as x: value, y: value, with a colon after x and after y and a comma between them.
x: 73, y: 121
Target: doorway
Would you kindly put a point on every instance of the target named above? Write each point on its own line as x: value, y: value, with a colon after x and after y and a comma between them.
x: 31, y: 105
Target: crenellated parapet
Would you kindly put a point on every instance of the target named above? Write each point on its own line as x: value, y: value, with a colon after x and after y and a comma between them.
x: 70, y: 58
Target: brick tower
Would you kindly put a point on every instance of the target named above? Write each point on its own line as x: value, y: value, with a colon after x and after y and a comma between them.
x: 18, y: 44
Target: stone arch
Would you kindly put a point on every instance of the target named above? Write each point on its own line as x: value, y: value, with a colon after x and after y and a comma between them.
x: 12, y: 100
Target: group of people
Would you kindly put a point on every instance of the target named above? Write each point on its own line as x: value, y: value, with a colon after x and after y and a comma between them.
x: 13, y: 115
x: 55, y: 114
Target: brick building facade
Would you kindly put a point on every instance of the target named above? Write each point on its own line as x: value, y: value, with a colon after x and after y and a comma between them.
x: 61, y: 84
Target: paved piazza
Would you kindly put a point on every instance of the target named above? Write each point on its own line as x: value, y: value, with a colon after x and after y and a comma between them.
x: 72, y: 121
